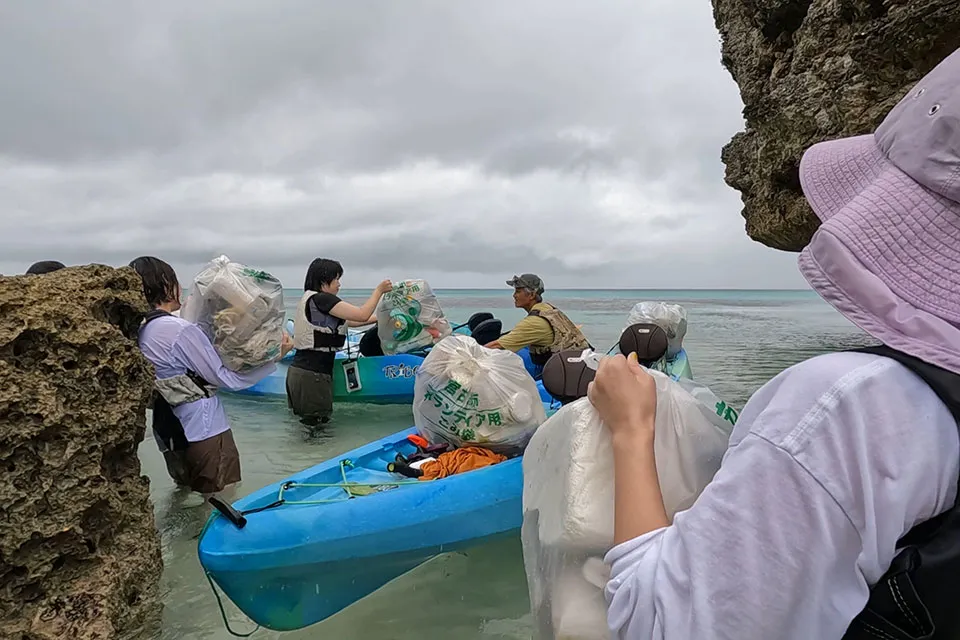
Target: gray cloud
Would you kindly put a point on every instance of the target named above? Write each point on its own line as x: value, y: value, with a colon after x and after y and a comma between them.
x: 418, y: 137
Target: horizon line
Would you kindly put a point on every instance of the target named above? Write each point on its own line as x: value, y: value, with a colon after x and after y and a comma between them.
x: 609, y: 288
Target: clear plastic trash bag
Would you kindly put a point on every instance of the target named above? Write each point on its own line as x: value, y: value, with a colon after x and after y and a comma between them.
x: 568, y: 497
x: 240, y: 309
x: 468, y: 395
x: 410, y: 318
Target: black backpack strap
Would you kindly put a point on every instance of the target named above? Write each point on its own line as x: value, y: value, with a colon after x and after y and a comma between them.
x: 167, y: 425
x: 153, y: 314
x: 944, y: 383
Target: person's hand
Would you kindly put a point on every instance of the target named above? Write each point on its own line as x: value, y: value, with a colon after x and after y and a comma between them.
x: 384, y: 286
x: 286, y: 344
x: 625, y: 396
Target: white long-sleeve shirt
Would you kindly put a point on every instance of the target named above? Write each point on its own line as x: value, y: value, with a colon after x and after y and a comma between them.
x: 830, y: 463
x: 175, y: 346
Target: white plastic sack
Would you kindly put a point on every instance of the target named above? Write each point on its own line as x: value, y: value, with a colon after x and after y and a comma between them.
x: 241, y: 311
x: 672, y: 318
x: 568, y: 496
x: 468, y: 395
x: 409, y: 318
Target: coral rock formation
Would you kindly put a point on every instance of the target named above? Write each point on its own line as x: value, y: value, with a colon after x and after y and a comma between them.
x: 811, y: 70
x: 79, y: 550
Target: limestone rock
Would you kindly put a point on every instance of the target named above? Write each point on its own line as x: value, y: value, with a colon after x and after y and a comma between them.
x: 79, y: 550
x: 811, y: 70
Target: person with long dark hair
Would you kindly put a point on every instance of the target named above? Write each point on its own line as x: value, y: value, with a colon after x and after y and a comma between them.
x: 189, y: 422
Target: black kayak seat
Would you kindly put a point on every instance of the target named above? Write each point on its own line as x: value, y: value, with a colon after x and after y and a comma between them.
x: 566, y: 377
x: 648, y: 341
x: 477, y: 318
x: 487, y: 331
x: 370, y: 345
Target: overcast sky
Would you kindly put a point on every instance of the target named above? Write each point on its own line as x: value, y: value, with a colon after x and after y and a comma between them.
x: 458, y: 141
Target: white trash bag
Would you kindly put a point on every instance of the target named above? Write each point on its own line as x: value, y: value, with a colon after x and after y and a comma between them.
x: 672, y: 318
x: 468, y: 395
x: 409, y: 318
x: 568, y: 497
x: 240, y: 309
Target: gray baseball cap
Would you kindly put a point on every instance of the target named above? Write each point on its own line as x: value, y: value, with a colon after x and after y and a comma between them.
x: 527, y: 281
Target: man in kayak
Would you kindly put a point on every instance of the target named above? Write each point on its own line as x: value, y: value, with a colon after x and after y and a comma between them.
x: 546, y: 330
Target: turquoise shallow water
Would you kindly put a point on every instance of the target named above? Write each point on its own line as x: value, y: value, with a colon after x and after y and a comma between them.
x: 737, y: 340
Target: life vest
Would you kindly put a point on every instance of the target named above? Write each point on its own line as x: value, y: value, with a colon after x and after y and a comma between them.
x: 328, y: 335
x: 914, y: 599
x: 566, y: 335
x: 173, y: 392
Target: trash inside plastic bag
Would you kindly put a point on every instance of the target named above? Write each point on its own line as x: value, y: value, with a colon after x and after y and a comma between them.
x: 410, y: 318
x: 568, y: 497
x: 240, y: 309
x: 468, y: 395
x: 672, y: 318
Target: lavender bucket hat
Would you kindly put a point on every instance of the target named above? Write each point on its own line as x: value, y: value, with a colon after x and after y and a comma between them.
x: 887, y: 255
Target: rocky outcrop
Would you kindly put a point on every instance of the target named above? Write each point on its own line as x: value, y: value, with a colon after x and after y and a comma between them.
x: 79, y: 551
x: 811, y: 70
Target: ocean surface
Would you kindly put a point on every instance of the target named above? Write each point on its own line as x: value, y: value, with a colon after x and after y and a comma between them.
x: 736, y: 341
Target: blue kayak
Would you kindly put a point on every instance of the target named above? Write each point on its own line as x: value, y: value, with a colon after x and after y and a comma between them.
x: 346, y: 527
x: 383, y: 379
x: 328, y: 536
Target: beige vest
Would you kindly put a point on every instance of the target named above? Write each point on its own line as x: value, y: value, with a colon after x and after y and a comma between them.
x: 566, y: 335
x: 303, y: 330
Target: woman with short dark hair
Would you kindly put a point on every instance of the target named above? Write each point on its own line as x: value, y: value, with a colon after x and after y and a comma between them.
x: 319, y: 331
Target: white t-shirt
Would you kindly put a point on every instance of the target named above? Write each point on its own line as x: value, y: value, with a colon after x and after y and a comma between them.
x: 830, y: 463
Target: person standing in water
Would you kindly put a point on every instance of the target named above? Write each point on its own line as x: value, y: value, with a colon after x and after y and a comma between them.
x: 319, y: 331
x: 189, y: 421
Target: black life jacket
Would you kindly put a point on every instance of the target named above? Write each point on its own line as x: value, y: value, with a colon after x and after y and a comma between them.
x: 166, y: 424
x: 915, y: 599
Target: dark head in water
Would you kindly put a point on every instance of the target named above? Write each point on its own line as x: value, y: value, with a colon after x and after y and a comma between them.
x: 160, y: 285
x: 45, y: 266
x: 527, y: 290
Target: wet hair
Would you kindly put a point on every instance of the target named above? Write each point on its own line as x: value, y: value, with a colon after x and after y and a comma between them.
x: 45, y: 266
x: 320, y: 272
x: 159, y: 279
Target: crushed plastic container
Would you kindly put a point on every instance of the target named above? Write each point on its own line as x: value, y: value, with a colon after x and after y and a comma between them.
x: 240, y: 309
